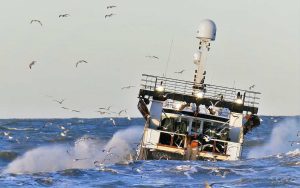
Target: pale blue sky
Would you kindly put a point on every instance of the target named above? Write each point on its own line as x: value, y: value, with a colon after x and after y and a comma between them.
x: 257, y: 43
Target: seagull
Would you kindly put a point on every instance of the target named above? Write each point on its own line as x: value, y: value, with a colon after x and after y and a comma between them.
x: 80, y: 159
x: 111, y: 6
x: 298, y: 133
x: 102, y: 112
x: 152, y: 56
x: 294, y: 142
x: 109, y: 149
x: 109, y: 15
x: 180, y: 72
x: 251, y: 87
x: 63, y: 15
x: 6, y: 133
x: 75, y: 111
x: 129, y: 118
x: 65, y: 108
x: 64, y: 133
x: 31, y: 64
x: 62, y: 127
x: 60, y: 102
x: 122, y: 112
x: 38, y: 21
x: 127, y: 87
x: 113, y: 121
x: 80, y: 61
x: 107, y: 108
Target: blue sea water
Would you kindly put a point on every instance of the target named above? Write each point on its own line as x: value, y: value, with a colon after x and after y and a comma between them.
x: 62, y: 153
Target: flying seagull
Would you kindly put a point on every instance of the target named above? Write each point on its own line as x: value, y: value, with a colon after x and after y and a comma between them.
x: 102, y: 112
x: 122, y: 111
x: 180, y: 72
x: 152, y: 56
x: 113, y: 121
x: 251, y: 87
x: 107, y: 108
x: 80, y: 61
x: 38, y: 21
x: 109, y: 15
x: 60, y: 102
x: 31, y: 64
x: 127, y: 87
x: 65, y: 108
x: 111, y: 6
x: 75, y: 111
x: 108, y: 150
x: 63, y: 15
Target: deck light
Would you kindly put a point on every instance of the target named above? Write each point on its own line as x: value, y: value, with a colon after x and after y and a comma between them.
x: 199, y: 95
x: 239, y: 101
x: 160, y: 89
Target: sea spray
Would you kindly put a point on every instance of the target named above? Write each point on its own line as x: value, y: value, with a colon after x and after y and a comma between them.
x: 81, y: 155
x: 280, y: 141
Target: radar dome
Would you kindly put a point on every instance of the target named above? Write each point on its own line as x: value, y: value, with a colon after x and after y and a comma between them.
x: 207, y: 30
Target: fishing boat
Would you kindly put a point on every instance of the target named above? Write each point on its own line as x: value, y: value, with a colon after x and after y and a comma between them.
x: 193, y: 120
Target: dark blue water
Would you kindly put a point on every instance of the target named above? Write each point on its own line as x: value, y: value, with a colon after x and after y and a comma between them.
x: 62, y: 152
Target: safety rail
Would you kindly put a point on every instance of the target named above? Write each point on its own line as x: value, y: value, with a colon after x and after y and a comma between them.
x: 170, y: 85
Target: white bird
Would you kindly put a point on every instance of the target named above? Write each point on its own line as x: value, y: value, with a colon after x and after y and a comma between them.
x: 127, y: 87
x: 80, y: 159
x: 113, y: 121
x: 109, y: 149
x: 152, y: 56
x: 31, y: 64
x: 60, y: 102
x: 62, y: 127
x: 102, y: 112
x: 10, y: 137
x: 38, y: 21
x: 63, y: 15
x: 6, y: 133
x: 105, y: 108
x: 129, y: 118
x: 180, y: 72
x: 122, y: 111
x: 63, y: 134
x: 109, y: 15
x: 111, y: 6
x: 251, y: 87
x: 80, y: 61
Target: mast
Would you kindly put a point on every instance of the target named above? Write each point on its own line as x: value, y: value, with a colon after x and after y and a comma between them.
x: 206, y: 33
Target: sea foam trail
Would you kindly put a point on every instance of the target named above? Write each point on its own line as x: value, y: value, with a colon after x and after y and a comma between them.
x: 284, y: 132
x: 82, y: 155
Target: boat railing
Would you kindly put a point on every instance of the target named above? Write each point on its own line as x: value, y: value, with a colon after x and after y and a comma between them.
x: 170, y: 85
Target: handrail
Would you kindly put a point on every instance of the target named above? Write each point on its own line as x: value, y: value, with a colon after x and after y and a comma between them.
x: 171, y: 85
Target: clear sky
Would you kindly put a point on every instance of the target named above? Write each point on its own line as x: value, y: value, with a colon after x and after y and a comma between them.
x: 258, y: 42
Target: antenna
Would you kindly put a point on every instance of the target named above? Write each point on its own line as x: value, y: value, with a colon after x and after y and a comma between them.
x: 165, y: 74
x: 206, y: 33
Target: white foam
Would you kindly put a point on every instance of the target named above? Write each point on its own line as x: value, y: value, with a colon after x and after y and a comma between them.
x: 80, y: 156
x: 284, y: 132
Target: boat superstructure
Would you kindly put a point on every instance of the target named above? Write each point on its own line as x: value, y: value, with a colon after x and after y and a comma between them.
x: 194, y: 120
